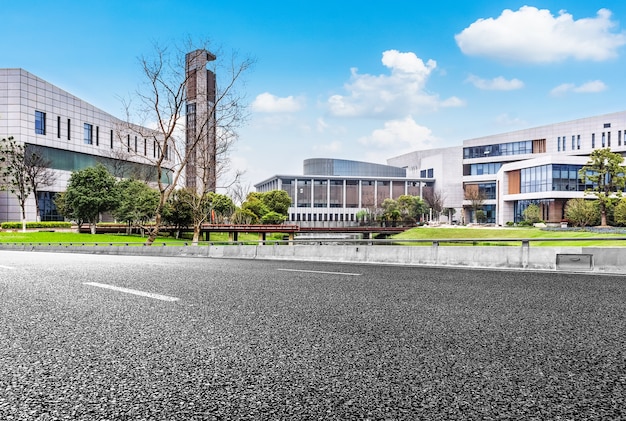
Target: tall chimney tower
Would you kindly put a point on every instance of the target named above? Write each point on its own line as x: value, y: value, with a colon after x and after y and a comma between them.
x: 200, y: 173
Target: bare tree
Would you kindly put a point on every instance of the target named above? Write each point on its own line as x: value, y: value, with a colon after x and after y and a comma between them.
x: 239, y: 192
x: 39, y: 171
x: 24, y: 171
x: 476, y: 198
x: 435, y: 199
x: 164, y: 102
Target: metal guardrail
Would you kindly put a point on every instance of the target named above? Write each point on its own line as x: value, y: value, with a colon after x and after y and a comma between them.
x: 435, y: 242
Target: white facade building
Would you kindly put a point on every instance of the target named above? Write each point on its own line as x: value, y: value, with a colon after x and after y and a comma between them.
x: 70, y: 133
x: 512, y: 170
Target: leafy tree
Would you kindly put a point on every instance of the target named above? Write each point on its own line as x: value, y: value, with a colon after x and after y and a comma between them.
x: 391, y: 212
x: 89, y: 193
x: 223, y: 207
x: 137, y: 202
x: 255, y: 204
x: 362, y: 215
x: 177, y: 211
x: 604, y: 172
x: 273, y: 218
x: 581, y: 213
x: 23, y: 171
x: 245, y: 216
x: 532, y: 214
x: 411, y: 207
x: 277, y: 201
x: 619, y: 213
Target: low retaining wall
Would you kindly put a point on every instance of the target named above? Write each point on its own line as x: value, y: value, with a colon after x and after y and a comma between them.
x: 589, y: 259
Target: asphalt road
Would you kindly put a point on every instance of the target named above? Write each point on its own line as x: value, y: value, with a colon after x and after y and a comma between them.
x: 237, y: 339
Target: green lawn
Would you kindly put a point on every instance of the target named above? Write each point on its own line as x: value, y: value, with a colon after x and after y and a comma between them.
x: 484, y: 234
x: 118, y: 239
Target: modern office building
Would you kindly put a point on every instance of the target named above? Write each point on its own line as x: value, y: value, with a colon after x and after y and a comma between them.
x: 70, y: 134
x: 333, y: 191
x: 512, y: 170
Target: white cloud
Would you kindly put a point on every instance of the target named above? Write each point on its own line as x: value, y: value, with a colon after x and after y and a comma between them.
x: 590, y: 87
x: 400, y: 92
x: 268, y: 103
x: 399, y: 136
x: 497, y: 84
x: 536, y: 36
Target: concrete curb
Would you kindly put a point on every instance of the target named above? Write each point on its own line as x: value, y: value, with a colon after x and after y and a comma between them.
x: 571, y: 259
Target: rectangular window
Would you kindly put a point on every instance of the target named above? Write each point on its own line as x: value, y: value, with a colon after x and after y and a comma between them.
x: 127, y: 143
x: 430, y: 173
x: 111, y: 139
x: 154, y: 148
x: 69, y: 129
x: 608, y: 139
x: 603, y: 139
x: 135, y: 144
x: 558, y: 144
x: 88, y: 140
x: 40, y: 122
x: 573, y: 142
x: 145, y: 147
x: 578, y: 142
x: 607, y: 125
x: 59, y: 127
x: 593, y: 140
x: 97, y: 135
x: 619, y: 138
x: 563, y: 143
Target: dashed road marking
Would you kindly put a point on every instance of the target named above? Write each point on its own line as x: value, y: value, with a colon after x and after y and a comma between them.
x: 320, y: 271
x: 132, y: 291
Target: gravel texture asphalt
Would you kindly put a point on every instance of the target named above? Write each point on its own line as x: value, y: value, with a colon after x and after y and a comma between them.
x: 256, y: 340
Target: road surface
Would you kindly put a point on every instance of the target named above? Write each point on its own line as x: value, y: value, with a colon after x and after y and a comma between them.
x: 93, y: 337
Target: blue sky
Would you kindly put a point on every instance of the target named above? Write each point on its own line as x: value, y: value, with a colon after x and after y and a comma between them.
x: 363, y: 80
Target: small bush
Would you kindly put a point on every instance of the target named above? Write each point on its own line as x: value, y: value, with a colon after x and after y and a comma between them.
x: 34, y: 225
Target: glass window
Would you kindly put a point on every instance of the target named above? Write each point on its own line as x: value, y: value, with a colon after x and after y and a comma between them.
x: 593, y: 140
x: 69, y: 129
x: 88, y: 134
x: 40, y: 122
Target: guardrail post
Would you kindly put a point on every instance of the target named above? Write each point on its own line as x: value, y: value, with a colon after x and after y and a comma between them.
x: 525, y: 253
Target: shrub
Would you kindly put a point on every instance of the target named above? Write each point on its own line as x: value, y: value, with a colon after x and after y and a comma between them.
x: 532, y: 214
x: 34, y: 225
x: 581, y: 212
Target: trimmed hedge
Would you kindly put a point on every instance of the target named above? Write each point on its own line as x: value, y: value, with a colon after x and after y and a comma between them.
x: 31, y: 225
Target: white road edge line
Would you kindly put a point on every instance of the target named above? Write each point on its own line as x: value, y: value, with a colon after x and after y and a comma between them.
x: 132, y: 291
x: 6, y: 267
x: 319, y: 271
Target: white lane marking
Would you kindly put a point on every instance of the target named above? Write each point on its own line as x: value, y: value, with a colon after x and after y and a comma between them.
x: 6, y: 267
x: 133, y: 291
x: 319, y: 271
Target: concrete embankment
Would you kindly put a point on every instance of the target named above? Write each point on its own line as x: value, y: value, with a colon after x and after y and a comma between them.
x: 577, y: 259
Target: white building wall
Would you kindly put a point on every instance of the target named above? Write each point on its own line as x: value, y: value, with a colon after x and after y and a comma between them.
x: 447, y: 165
x: 22, y: 93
